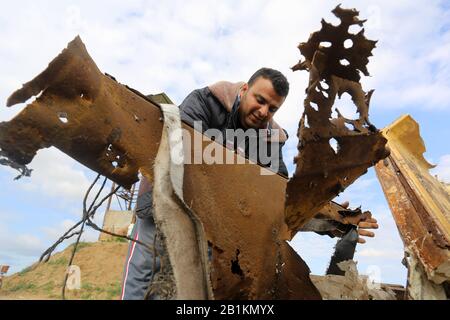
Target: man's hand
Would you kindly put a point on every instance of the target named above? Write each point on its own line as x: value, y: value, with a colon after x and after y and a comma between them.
x: 367, y: 222
x: 363, y: 225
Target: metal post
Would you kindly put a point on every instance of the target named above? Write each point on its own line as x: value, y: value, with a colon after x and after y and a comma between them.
x: 108, y: 206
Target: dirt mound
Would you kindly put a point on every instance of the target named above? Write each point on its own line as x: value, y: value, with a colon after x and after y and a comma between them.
x: 101, y: 265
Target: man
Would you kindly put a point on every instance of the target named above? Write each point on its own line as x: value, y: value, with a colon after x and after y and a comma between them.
x: 245, y: 112
x: 223, y: 106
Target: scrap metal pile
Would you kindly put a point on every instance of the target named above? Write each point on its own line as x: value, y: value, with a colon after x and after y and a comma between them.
x: 245, y: 219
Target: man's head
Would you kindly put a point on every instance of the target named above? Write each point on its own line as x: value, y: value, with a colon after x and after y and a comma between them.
x: 261, y: 97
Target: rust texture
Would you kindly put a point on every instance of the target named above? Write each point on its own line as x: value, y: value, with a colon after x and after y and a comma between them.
x: 321, y: 172
x: 244, y: 223
x: 86, y: 115
x: 418, y: 201
x: 116, y: 131
x: 117, y: 222
x: 335, y: 220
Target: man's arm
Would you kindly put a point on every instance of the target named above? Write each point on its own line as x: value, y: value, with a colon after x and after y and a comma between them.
x: 195, y: 108
x: 282, y: 166
x: 282, y: 169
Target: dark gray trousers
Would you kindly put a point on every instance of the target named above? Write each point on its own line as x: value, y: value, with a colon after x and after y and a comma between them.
x: 139, y: 264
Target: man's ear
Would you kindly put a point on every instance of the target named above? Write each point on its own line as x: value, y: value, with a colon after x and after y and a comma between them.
x: 243, y: 90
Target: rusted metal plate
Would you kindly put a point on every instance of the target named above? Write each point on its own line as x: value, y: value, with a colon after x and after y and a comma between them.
x: 322, y: 172
x: 242, y: 211
x: 335, y: 220
x: 418, y: 201
x: 86, y: 115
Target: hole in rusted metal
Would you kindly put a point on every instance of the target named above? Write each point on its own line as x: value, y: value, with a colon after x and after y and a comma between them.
x: 344, y: 62
x: 348, y: 43
x: 235, y: 267
x: 115, y: 156
x: 354, y: 29
x: 306, y: 123
x: 334, y: 114
x: 314, y: 106
x: 346, y: 107
x: 349, y: 126
x: 62, y: 116
x: 324, y: 85
x: 325, y: 44
x: 334, y: 145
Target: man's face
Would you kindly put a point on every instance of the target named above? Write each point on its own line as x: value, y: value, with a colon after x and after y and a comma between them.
x: 259, y: 102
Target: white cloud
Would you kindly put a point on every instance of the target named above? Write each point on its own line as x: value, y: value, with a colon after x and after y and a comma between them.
x: 56, y: 175
x: 442, y: 169
x: 412, y: 71
x: 20, y: 250
x: 377, y: 253
x: 313, y: 246
x: 61, y: 179
x: 21, y: 244
x: 158, y: 47
x: 53, y: 233
x: 57, y: 231
x: 361, y: 192
x: 10, y: 217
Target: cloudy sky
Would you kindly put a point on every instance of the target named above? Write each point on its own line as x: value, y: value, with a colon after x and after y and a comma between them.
x: 177, y: 46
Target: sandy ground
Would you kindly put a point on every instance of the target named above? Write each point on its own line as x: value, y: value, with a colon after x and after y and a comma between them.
x: 101, y: 265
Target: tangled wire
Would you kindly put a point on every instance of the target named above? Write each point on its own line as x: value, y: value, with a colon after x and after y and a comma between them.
x: 24, y: 170
x: 88, y: 215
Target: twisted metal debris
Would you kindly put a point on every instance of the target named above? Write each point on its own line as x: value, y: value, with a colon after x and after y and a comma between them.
x: 420, y: 205
x: 334, y: 69
x: 85, y: 114
x: 24, y: 170
x: 117, y: 132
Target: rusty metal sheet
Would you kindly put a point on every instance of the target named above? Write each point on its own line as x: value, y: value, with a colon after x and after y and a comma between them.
x: 335, y: 220
x: 242, y: 211
x: 321, y: 172
x: 342, y: 214
x: 85, y: 114
x: 418, y: 201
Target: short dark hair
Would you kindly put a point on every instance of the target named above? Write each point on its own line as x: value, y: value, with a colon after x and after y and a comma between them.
x: 279, y: 81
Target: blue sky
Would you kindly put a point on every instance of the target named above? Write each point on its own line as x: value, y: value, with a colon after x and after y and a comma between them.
x: 177, y: 46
